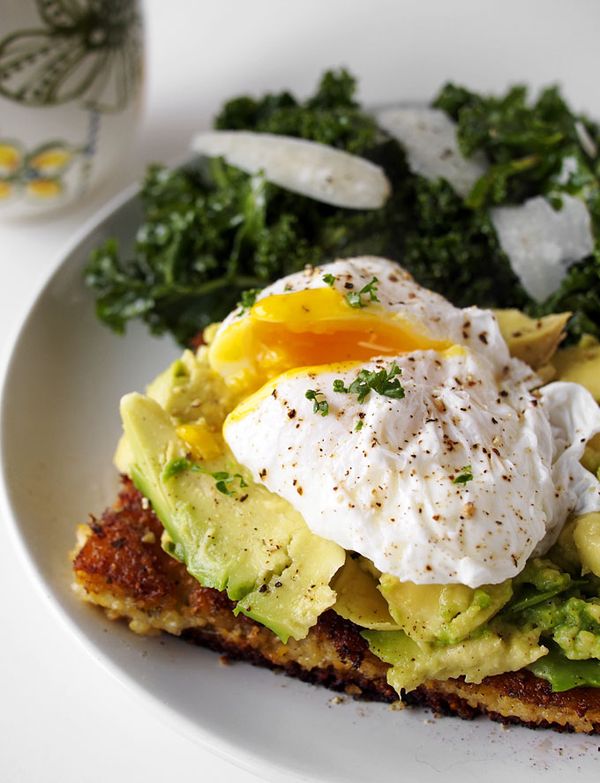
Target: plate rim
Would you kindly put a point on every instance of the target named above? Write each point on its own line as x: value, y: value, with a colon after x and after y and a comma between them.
x: 212, y: 742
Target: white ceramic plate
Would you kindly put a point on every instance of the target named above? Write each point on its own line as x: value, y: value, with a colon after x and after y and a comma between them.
x: 59, y: 429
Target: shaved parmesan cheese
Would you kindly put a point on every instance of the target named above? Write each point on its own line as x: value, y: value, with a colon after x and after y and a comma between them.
x: 569, y: 167
x: 306, y: 167
x: 588, y: 145
x: 541, y: 242
x: 429, y: 137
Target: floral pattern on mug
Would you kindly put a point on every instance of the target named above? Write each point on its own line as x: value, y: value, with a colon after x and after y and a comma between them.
x: 88, y: 51
x: 38, y: 174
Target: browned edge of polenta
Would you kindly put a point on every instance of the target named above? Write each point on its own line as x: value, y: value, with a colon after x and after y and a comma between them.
x: 120, y: 566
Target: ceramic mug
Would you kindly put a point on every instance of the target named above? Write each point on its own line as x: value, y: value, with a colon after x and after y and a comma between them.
x: 70, y: 89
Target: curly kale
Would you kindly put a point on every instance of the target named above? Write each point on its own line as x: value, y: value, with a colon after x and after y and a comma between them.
x: 199, y: 247
x: 536, y: 147
x: 525, y: 142
x: 210, y: 231
x: 579, y: 293
x: 331, y: 116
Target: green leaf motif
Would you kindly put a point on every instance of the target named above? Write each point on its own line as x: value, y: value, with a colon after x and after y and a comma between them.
x: 88, y: 51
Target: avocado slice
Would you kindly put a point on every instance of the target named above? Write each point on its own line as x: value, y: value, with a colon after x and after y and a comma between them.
x: 581, y: 364
x: 358, y: 598
x: 586, y: 535
x: 442, y: 613
x: 187, y: 390
x: 246, y: 541
x: 493, y: 650
x: 533, y: 340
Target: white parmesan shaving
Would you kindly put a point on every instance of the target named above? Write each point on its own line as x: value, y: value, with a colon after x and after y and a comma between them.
x: 306, y: 167
x: 568, y: 167
x: 429, y: 137
x: 541, y: 242
x: 588, y: 145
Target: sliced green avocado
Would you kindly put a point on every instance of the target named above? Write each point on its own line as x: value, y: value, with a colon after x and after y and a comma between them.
x: 234, y: 536
x: 358, y: 598
x: 187, y: 390
x: 573, y: 624
x: 580, y: 364
x: 586, y: 535
x: 189, y: 387
x: 492, y: 650
x: 445, y: 613
x: 564, y: 552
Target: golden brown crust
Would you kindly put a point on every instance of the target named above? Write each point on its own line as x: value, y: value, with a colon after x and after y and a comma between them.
x: 514, y: 697
x: 122, y: 567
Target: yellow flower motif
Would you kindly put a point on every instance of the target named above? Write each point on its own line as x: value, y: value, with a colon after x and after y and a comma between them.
x: 44, y: 188
x: 5, y: 190
x: 11, y: 159
x: 51, y: 162
x: 39, y: 174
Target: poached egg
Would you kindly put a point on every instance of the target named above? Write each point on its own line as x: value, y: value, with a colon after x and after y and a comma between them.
x: 457, y: 478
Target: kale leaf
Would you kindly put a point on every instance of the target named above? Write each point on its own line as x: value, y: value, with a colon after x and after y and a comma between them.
x: 198, y: 248
x: 331, y: 116
x: 579, y: 293
x: 535, y: 147
x: 525, y: 142
x: 209, y: 231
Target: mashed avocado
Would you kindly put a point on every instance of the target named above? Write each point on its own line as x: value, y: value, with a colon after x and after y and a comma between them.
x: 232, y: 534
x: 492, y: 651
x: 442, y: 613
x: 236, y: 536
x: 581, y: 364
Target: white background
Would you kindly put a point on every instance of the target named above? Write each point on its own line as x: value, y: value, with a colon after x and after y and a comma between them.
x: 62, y: 717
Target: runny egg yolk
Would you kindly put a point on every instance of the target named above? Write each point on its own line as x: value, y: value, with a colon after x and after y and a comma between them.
x: 313, y: 327
x: 202, y: 442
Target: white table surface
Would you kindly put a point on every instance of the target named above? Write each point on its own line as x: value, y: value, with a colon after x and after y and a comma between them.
x: 62, y: 717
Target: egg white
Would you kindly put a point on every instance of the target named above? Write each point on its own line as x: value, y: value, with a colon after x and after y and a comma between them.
x: 388, y: 488
x: 399, y: 295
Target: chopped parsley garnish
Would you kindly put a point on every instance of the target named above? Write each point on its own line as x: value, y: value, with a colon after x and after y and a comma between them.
x: 329, y: 279
x: 384, y: 382
x: 320, y: 404
x: 368, y: 291
x: 248, y: 298
x: 175, y: 467
x: 465, y: 474
x: 224, y: 480
x: 359, y: 425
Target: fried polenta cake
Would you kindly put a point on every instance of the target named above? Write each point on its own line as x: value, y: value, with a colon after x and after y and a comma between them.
x: 120, y: 566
